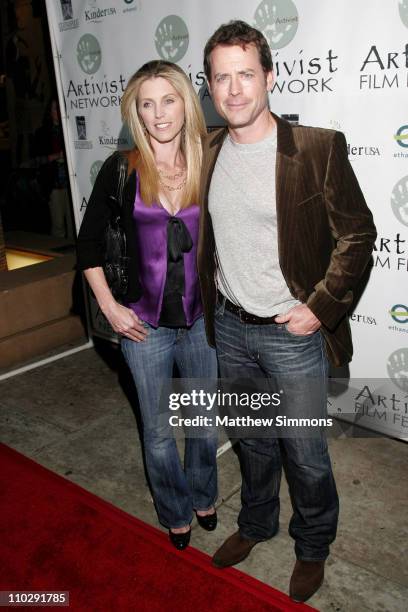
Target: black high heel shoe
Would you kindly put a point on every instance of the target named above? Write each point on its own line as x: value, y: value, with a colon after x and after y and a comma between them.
x: 180, y: 540
x: 208, y: 522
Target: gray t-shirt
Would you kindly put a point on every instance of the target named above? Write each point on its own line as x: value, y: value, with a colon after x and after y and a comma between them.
x: 242, y: 205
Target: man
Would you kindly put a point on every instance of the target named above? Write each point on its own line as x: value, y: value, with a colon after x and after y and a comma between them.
x: 285, y: 237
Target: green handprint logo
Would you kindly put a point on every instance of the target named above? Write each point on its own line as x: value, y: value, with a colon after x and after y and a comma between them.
x: 171, y: 38
x: 89, y: 54
x: 403, y: 11
x: 94, y: 171
x: 278, y: 21
x: 399, y: 200
x: 397, y: 367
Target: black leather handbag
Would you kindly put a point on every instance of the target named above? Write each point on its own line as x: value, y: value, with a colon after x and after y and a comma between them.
x: 116, y: 266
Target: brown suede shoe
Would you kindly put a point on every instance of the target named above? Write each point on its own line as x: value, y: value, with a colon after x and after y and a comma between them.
x: 307, y: 578
x: 234, y: 550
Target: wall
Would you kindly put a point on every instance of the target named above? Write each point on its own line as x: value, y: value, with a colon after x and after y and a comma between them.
x: 341, y: 65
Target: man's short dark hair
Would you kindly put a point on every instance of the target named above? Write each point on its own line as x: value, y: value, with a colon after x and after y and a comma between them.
x: 238, y: 33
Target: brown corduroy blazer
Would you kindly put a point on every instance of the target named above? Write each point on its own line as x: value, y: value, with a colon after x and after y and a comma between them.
x: 325, y: 229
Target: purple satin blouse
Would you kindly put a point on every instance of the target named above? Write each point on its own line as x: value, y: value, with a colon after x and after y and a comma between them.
x: 151, y: 230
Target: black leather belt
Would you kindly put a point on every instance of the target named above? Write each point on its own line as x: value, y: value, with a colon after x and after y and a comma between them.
x: 244, y: 316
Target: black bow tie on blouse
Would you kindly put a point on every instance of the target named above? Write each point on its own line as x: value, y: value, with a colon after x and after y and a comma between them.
x: 178, y: 242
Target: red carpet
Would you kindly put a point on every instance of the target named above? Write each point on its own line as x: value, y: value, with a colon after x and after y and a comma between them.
x: 56, y: 536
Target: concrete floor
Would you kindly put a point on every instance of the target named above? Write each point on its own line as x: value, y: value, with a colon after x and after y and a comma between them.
x: 74, y: 416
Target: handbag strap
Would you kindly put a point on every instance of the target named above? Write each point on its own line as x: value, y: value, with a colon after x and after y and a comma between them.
x: 122, y: 170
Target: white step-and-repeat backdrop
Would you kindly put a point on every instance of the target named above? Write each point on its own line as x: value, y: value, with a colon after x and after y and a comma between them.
x: 339, y: 64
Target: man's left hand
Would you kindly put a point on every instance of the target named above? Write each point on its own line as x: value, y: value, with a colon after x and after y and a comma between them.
x: 300, y: 320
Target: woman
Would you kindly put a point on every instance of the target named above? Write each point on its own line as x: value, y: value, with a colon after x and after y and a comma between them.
x: 161, y: 322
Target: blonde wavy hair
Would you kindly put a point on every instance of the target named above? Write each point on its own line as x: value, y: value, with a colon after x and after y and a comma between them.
x: 191, y: 136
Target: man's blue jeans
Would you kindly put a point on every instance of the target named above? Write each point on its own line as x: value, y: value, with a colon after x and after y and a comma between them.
x: 177, y: 490
x: 270, y: 351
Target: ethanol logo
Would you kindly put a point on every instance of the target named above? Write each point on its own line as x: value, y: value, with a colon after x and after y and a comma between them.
x: 403, y: 11
x: 399, y: 200
x: 94, y: 171
x: 402, y: 136
x: 399, y: 313
x: 171, y: 38
x: 89, y: 54
x: 397, y: 367
x: 278, y: 21
x: 131, y: 5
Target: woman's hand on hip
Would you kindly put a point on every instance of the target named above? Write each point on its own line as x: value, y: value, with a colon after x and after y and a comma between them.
x: 125, y: 322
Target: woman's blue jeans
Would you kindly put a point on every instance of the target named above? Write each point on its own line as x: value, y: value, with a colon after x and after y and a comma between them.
x: 177, y: 490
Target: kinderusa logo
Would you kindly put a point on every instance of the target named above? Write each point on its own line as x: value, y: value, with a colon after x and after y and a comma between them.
x: 397, y: 367
x: 403, y: 11
x: 89, y: 54
x: 172, y: 38
x: 399, y: 200
x: 399, y: 313
x: 278, y: 21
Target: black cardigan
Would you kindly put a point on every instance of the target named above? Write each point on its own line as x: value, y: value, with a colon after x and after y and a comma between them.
x: 90, y: 244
